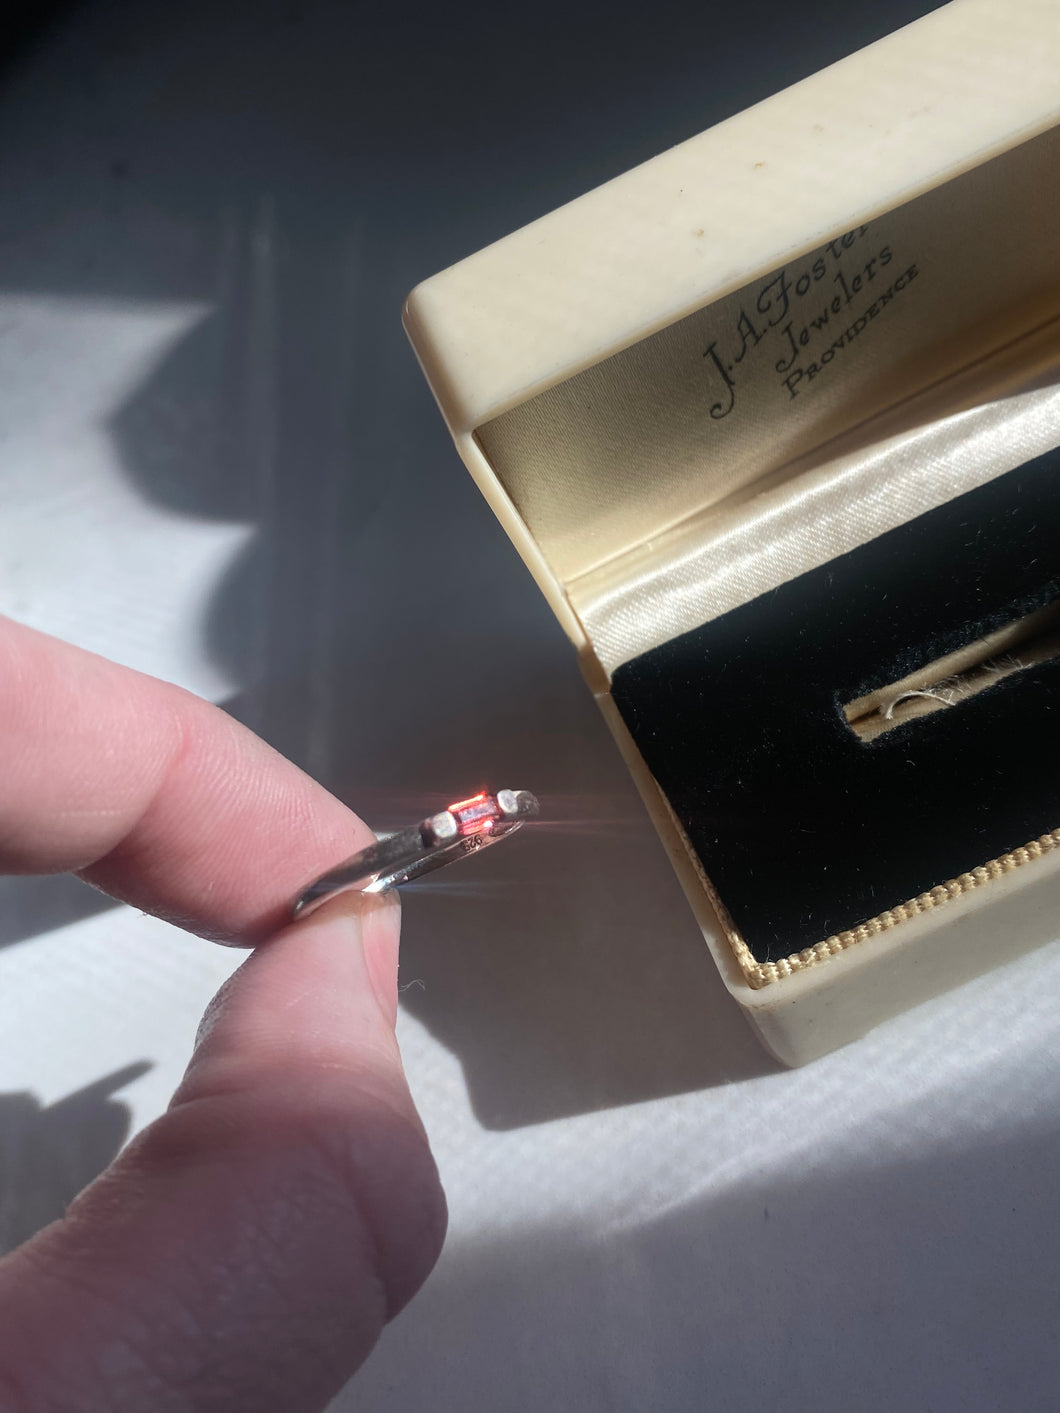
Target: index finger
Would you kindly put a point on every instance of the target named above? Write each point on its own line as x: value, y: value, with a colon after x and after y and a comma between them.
x: 154, y: 795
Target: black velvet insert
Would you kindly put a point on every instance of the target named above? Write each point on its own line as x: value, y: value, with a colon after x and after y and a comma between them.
x: 804, y: 828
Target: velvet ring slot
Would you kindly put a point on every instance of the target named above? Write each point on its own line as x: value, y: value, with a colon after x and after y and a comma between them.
x: 959, y: 675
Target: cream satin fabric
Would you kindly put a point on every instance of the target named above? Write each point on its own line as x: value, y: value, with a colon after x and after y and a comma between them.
x: 705, y: 570
x: 709, y: 566
x: 853, y: 388
x: 690, y: 419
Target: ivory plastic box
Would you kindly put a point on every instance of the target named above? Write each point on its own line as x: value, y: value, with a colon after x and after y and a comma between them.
x: 773, y: 421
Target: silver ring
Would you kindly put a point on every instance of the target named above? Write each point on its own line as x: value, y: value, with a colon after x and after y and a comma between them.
x: 463, y: 828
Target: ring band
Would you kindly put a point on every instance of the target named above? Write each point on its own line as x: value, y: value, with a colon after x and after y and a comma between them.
x: 463, y: 828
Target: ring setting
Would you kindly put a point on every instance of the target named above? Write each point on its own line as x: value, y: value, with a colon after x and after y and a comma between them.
x: 465, y: 827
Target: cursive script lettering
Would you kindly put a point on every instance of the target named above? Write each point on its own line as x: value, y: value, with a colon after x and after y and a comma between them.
x: 808, y: 310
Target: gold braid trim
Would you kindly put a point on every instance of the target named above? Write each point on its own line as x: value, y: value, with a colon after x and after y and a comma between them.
x: 760, y: 974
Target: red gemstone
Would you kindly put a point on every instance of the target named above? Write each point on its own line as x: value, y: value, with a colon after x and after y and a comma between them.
x: 474, y: 815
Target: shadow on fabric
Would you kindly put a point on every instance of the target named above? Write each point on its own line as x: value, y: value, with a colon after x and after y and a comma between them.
x: 48, y: 1154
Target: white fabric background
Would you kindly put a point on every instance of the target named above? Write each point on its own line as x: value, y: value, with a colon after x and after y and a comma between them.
x: 218, y: 463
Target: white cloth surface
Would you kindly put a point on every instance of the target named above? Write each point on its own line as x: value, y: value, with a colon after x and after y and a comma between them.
x: 218, y: 463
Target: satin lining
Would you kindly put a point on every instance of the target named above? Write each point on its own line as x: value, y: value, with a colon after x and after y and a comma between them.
x: 710, y: 565
x: 687, y: 421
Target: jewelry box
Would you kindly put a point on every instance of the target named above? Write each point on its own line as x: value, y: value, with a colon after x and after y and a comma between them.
x: 774, y: 421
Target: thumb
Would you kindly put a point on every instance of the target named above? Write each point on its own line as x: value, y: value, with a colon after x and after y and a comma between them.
x: 246, y: 1250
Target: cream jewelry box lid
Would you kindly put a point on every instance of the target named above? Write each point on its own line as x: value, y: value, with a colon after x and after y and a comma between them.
x: 710, y: 216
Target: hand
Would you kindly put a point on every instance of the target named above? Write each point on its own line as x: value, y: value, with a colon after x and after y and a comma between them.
x: 245, y: 1251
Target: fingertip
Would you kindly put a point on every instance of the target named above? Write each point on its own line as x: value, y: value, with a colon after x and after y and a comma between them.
x: 377, y: 916
x: 321, y: 993
x: 305, y: 1031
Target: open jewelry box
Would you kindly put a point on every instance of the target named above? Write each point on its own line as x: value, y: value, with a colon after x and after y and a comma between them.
x: 774, y: 420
